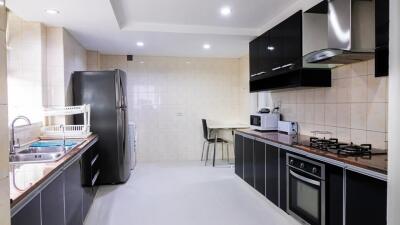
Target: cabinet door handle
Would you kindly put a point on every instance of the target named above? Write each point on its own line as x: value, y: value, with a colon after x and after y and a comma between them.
x: 258, y: 74
x: 287, y: 65
x: 276, y: 68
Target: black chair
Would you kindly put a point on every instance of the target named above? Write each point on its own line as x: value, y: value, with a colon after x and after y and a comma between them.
x: 209, y: 141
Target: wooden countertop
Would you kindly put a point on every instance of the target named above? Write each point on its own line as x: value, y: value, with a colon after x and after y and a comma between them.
x: 26, y: 178
x: 376, y: 163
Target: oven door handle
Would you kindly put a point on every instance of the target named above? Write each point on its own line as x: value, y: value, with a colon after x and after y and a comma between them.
x: 305, y: 179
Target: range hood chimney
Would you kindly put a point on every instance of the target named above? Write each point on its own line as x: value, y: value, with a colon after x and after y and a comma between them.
x: 351, y: 33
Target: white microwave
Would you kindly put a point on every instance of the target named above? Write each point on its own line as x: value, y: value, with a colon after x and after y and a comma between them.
x: 264, y: 121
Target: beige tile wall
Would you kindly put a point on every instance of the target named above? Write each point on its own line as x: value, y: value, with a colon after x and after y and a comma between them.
x: 93, y: 60
x: 25, y: 67
x: 353, y: 109
x: 169, y: 96
x: 4, y: 165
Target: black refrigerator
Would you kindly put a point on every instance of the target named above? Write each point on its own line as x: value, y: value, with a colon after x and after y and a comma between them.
x: 105, y: 91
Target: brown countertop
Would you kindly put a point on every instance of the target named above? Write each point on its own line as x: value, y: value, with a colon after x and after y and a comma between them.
x: 376, y: 163
x: 25, y: 178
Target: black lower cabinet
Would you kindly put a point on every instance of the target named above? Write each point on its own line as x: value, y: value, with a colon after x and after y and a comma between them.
x: 259, y: 166
x: 73, y: 195
x: 29, y: 215
x: 334, y: 195
x: 272, y: 174
x: 365, y: 200
x: 52, y: 198
x: 239, y: 155
x: 248, y: 159
x: 282, y: 180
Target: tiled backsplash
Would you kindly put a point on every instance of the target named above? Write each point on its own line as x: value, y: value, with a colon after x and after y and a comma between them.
x: 169, y: 96
x: 354, y: 109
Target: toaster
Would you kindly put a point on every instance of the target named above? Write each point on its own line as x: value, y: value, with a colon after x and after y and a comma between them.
x: 287, y: 127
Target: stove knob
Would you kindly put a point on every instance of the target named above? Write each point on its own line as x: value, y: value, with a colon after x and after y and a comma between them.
x: 291, y: 162
x: 302, y: 165
x: 314, y: 170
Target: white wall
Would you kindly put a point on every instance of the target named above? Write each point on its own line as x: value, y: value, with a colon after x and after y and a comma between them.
x: 169, y: 96
x: 394, y: 119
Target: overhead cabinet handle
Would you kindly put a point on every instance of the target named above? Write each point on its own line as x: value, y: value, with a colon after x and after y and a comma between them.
x: 276, y: 68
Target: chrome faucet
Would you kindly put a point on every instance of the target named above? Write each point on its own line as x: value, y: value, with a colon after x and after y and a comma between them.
x: 63, y: 130
x: 12, y: 142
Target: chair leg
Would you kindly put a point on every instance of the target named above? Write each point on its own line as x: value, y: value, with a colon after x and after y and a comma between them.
x: 202, y: 151
x: 227, y: 151
x: 208, y: 149
x: 222, y: 145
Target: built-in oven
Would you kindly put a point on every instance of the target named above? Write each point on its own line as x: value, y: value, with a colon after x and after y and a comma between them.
x: 305, y: 190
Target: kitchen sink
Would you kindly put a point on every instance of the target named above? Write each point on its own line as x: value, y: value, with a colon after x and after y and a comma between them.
x: 43, y: 151
x: 36, y: 157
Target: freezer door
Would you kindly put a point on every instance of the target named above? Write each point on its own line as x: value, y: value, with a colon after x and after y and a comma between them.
x: 124, y: 153
x: 120, y: 88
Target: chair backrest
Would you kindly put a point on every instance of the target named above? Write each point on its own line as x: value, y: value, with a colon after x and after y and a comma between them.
x: 205, y: 128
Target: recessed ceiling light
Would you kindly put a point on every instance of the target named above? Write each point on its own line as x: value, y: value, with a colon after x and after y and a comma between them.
x: 140, y: 44
x: 52, y: 11
x: 226, y: 11
x: 1, y: 2
x: 206, y: 46
x: 141, y: 62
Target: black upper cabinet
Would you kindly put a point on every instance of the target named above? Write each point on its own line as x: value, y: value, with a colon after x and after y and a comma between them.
x: 382, y: 38
x: 365, y: 200
x: 276, y: 59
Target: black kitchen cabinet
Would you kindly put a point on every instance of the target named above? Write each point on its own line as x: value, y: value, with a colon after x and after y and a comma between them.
x: 282, y: 180
x: 382, y: 38
x: 272, y: 174
x: 257, y: 56
x: 239, y: 155
x: 73, y: 194
x: 365, y: 200
x: 248, y: 168
x: 259, y: 166
x: 52, y: 200
x: 334, y: 195
x: 293, y: 42
x: 29, y: 215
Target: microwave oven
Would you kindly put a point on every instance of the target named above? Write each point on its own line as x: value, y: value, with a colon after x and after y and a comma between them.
x: 264, y: 121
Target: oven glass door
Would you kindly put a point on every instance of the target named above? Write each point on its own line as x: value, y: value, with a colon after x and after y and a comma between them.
x: 255, y: 120
x: 305, y: 195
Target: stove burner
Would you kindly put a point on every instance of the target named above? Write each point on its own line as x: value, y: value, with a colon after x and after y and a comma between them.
x: 333, y: 145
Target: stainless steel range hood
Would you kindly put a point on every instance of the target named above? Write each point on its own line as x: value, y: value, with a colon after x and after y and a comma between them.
x: 350, y: 34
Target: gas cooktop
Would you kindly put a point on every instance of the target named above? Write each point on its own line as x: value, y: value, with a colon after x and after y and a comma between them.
x: 344, y: 149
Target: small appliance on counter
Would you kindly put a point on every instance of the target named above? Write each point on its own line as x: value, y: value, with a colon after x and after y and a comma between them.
x: 287, y: 127
x: 265, y: 120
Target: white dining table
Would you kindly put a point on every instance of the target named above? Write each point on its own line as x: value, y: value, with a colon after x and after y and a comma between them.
x: 216, y: 126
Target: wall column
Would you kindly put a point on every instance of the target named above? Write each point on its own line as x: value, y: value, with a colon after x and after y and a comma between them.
x: 394, y: 119
x: 4, y: 140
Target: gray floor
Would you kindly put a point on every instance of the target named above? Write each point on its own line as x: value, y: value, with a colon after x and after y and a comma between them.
x: 183, y: 194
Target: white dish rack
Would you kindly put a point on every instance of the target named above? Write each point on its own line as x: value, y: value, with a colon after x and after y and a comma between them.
x: 67, y: 131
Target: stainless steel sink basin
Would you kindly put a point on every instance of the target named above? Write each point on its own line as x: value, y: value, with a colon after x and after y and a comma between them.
x: 36, y: 157
x: 42, y: 154
x: 31, y: 150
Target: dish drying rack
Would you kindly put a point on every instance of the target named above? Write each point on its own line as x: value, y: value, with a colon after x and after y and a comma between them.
x: 67, y: 131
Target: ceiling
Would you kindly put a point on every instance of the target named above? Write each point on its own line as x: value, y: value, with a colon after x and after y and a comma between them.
x: 167, y: 27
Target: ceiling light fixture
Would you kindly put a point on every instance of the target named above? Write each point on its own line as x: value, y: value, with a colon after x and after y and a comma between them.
x: 52, y: 11
x: 140, y: 44
x: 1, y: 2
x: 226, y: 11
x: 206, y: 46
